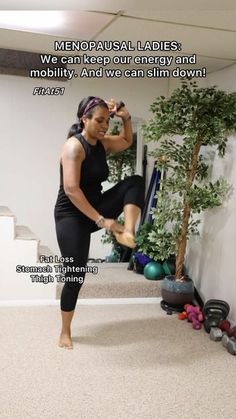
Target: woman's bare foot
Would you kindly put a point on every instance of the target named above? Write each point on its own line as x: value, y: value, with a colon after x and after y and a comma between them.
x: 65, y: 341
x: 126, y: 238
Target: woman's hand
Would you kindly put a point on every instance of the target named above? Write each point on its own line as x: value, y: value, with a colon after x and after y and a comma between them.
x: 111, y: 225
x: 123, y: 112
x: 115, y: 143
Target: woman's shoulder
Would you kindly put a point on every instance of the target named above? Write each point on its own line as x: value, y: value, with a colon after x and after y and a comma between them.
x: 75, y: 141
x: 73, y: 147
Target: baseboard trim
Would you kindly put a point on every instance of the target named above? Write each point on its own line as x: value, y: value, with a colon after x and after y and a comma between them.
x: 82, y: 301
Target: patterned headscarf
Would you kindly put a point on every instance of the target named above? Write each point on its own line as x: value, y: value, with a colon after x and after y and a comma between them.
x: 94, y: 102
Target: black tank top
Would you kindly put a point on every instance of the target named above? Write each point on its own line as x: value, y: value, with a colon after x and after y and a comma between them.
x: 94, y: 171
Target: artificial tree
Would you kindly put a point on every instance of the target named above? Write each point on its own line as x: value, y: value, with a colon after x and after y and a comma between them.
x: 186, y: 122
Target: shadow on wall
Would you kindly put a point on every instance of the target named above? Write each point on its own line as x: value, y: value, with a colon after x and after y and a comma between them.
x: 207, y: 254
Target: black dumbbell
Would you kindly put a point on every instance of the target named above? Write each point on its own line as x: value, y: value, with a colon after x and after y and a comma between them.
x: 119, y: 105
x: 214, y: 311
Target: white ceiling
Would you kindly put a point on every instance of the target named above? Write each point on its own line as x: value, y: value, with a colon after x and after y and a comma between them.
x: 210, y: 33
x: 107, y: 5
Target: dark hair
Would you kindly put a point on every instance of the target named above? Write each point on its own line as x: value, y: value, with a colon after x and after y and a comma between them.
x: 78, y: 126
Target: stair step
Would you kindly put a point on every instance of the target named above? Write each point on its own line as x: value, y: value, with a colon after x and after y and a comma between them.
x: 24, y: 233
x: 6, y: 212
x: 45, y: 251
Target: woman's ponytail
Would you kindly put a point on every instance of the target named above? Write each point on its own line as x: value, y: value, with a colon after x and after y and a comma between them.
x: 76, y: 128
x: 86, y: 107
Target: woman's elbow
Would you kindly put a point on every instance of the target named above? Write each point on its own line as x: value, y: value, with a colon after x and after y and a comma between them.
x: 71, y: 191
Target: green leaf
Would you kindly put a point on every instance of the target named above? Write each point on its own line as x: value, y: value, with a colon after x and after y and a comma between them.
x: 181, y: 127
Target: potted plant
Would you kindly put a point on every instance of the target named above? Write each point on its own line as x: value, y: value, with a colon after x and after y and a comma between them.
x: 188, y: 123
x: 143, y: 253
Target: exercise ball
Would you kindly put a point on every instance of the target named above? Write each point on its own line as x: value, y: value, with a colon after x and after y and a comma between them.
x: 154, y: 271
x: 113, y: 257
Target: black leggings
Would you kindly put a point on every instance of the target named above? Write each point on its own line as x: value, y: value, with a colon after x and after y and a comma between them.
x: 73, y: 234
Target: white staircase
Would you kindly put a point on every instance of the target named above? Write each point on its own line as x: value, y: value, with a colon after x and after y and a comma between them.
x: 20, y: 250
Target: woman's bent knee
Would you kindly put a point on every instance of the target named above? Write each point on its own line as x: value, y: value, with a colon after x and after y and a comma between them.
x: 136, y: 179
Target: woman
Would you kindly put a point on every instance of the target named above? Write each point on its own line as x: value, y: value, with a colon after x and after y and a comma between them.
x: 81, y: 207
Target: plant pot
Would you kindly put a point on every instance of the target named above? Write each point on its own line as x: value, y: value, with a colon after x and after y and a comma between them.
x: 177, y: 292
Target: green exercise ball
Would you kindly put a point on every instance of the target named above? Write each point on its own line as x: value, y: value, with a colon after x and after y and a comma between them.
x: 154, y: 271
x: 113, y: 257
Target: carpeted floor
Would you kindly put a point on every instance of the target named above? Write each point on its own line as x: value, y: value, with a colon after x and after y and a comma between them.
x: 128, y: 362
x: 116, y: 281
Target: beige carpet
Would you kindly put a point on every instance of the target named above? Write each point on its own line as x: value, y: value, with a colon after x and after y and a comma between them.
x: 128, y: 362
x: 116, y: 281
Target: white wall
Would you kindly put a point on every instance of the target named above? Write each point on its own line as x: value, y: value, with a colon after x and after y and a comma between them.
x: 211, y: 256
x: 32, y: 131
